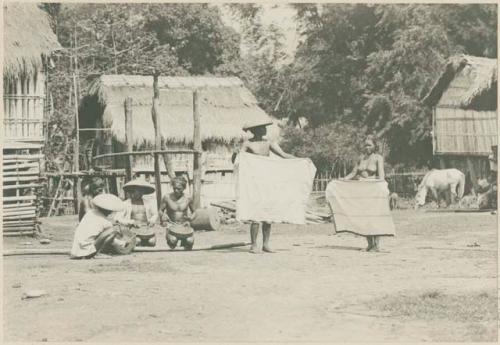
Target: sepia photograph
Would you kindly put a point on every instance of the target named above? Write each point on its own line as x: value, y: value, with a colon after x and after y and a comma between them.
x: 249, y: 172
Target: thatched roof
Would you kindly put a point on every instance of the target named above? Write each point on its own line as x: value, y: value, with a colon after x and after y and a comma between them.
x: 225, y: 105
x: 27, y: 37
x: 477, y: 84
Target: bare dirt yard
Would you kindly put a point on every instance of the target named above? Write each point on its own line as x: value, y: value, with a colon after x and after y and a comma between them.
x: 436, y: 282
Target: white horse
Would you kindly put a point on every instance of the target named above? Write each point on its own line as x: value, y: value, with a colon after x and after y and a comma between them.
x: 449, y: 181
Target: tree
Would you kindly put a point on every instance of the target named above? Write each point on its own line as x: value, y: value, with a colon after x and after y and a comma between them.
x: 260, y: 64
x: 329, y: 145
x: 172, y: 39
x: 370, y: 65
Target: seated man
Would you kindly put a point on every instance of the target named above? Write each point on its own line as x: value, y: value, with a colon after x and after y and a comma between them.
x: 95, y: 233
x: 487, y: 188
x: 140, y: 212
x: 177, y: 212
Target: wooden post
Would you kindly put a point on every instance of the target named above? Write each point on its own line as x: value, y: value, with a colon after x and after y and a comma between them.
x: 442, y: 163
x: 128, y: 138
x: 473, y: 175
x: 168, y: 162
x: 77, y: 126
x: 76, y: 201
x: 197, y: 154
x: 156, y: 125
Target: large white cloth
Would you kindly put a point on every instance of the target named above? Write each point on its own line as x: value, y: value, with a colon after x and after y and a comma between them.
x: 91, y: 225
x: 273, y: 189
x: 361, y: 207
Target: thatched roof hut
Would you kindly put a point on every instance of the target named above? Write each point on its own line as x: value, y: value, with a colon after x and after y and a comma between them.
x: 28, y: 37
x: 464, y: 116
x: 225, y: 105
x: 478, y: 89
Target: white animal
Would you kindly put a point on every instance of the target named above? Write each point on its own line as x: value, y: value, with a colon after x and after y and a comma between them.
x: 448, y: 181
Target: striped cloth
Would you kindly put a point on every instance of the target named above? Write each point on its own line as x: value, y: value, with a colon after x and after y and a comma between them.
x: 360, y: 207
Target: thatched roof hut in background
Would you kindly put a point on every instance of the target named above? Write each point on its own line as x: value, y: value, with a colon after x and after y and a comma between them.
x: 464, y: 118
x: 28, y: 39
x: 225, y: 105
x: 478, y: 91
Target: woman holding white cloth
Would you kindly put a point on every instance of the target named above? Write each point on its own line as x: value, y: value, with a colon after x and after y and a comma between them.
x: 372, y: 220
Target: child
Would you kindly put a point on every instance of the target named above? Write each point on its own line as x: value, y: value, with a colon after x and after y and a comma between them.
x: 91, y: 190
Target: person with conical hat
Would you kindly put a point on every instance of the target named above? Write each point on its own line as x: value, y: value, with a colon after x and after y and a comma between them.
x: 177, y: 211
x: 259, y: 145
x: 140, y: 212
x: 95, y: 233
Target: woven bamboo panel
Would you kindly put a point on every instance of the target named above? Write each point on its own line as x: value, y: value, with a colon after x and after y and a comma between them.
x: 459, y: 131
x: 21, y: 177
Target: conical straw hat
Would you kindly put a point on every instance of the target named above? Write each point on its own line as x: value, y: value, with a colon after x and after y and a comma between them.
x: 139, y: 183
x: 262, y: 121
x: 108, y: 202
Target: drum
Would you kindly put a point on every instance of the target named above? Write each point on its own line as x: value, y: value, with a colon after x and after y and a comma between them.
x: 144, y: 232
x: 206, y: 219
x: 180, y: 230
x: 128, y: 237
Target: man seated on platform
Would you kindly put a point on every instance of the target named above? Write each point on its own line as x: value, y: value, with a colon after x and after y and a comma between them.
x: 140, y: 212
x: 177, y: 211
x: 95, y: 233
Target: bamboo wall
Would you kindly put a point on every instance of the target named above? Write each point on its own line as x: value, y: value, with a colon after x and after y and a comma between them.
x: 21, y: 181
x: 24, y: 108
x: 464, y: 132
x: 215, y: 158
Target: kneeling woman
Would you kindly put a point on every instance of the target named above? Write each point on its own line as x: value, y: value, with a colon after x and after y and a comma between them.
x: 362, y: 206
x: 140, y: 212
x: 178, y: 213
x: 95, y: 233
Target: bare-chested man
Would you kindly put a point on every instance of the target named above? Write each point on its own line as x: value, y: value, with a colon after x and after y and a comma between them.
x: 261, y: 146
x: 177, y: 211
x: 140, y: 212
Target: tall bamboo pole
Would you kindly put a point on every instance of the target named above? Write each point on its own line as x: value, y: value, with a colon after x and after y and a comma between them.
x: 197, y: 154
x: 76, y: 152
x: 128, y: 137
x: 156, y: 124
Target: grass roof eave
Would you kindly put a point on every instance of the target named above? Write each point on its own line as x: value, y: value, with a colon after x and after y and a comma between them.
x: 28, y: 38
x: 485, y: 79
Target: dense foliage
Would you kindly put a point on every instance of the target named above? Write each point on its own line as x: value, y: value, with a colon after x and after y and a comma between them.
x: 172, y: 39
x: 359, y: 69
x: 365, y: 68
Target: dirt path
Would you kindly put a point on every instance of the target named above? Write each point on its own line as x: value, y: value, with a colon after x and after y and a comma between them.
x: 318, y: 287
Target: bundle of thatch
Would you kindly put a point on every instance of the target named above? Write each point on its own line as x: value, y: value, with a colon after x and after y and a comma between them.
x: 224, y: 103
x: 479, y: 80
x: 28, y: 37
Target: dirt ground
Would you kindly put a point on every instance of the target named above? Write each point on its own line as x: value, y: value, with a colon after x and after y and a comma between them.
x: 317, y: 287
